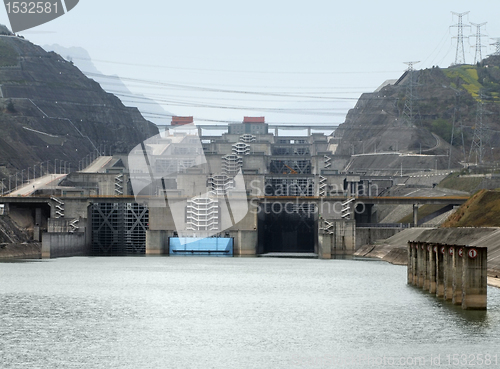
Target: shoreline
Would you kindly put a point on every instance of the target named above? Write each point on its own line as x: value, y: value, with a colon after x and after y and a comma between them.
x: 31, y: 250
x: 398, y: 256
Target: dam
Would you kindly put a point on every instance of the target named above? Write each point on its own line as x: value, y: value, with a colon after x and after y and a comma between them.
x: 263, y: 192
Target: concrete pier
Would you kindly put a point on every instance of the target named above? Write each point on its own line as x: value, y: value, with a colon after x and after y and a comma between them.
x: 457, y: 276
x: 448, y: 273
x: 453, y: 272
x: 440, y: 257
x: 432, y: 270
x: 409, y: 270
x: 474, y: 291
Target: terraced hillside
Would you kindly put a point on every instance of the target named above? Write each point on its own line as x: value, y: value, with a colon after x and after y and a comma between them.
x: 50, y: 110
x: 446, y: 102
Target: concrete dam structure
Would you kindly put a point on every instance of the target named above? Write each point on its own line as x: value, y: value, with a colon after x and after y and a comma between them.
x: 453, y: 272
x: 264, y: 192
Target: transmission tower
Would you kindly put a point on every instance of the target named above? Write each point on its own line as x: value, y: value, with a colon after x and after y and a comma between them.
x: 497, y: 45
x: 477, y: 139
x: 460, y: 54
x: 410, y: 97
x: 478, y: 56
x: 456, y: 117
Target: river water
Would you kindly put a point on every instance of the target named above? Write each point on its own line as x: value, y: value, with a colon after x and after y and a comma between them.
x: 175, y: 312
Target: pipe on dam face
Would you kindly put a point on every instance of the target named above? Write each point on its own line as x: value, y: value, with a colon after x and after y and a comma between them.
x: 456, y: 273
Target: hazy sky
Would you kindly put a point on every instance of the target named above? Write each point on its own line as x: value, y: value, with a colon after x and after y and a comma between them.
x: 290, y: 61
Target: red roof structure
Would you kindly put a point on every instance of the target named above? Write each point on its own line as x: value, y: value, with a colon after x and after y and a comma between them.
x: 179, y: 121
x: 254, y: 119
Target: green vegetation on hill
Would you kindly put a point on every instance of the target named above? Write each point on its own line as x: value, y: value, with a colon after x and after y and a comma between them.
x: 469, y: 76
x: 481, y: 210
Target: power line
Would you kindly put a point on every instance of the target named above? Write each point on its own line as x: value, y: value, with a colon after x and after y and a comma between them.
x: 226, y: 70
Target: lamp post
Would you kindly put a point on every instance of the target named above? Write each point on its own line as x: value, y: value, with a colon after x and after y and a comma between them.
x: 2, y: 185
x: 22, y: 177
x: 55, y: 166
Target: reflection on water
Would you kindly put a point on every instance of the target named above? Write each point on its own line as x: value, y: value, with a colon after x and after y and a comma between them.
x: 160, y: 312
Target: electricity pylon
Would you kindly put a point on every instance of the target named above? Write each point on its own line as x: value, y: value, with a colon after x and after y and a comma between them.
x: 478, y: 55
x: 408, y: 117
x: 460, y: 54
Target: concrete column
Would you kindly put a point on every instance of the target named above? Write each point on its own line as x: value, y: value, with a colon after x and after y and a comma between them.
x: 427, y: 251
x: 415, y: 215
x: 474, y: 287
x: 457, y: 275
x: 440, y: 264
x: 431, y: 271
x: 46, y: 248
x: 276, y: 132
x: 325, y: 242
x: 421, y: 264
x: 415, y: 263
x: 448, y: 272
x: 36, y: 228
x: 309, y: 131
x: 409, y: 268
x: 157, y: 242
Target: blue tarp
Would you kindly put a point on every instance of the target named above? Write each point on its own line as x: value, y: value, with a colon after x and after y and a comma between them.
x: 211, y: 246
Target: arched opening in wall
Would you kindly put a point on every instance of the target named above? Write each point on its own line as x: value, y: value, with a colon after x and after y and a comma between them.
x: 287, y: 228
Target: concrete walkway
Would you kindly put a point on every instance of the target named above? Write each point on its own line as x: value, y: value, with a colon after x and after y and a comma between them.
x: 97, y: 164
x: 37, y: 183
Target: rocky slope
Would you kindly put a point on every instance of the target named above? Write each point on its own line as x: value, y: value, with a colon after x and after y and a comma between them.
x: 441, y: 97
x: 113, y: 84
x: 50, y: 110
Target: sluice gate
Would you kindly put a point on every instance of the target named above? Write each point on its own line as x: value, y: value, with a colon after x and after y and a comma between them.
x: 195, y: 246
x: 453, y: 272
x: 119, y: 228
x: 287, y: 228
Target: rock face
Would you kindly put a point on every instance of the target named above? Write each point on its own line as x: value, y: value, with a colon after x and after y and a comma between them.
x: 50, y: 110
x: 148, y: 107
x: 442, y: 99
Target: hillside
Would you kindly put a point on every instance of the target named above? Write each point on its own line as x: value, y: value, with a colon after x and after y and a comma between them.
x: 481, y: 210
x: 441, y: 97
x: 50, y: 110
x: 80, y: 57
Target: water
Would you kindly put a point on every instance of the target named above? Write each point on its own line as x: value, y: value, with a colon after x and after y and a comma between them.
x: 161, y: 312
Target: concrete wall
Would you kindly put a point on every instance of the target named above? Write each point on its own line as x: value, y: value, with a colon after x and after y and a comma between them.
x: 245, y: 242
x: 56, y: 245
x: 368, y: 236
x: 157, y: 242
x: 338, y: 240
